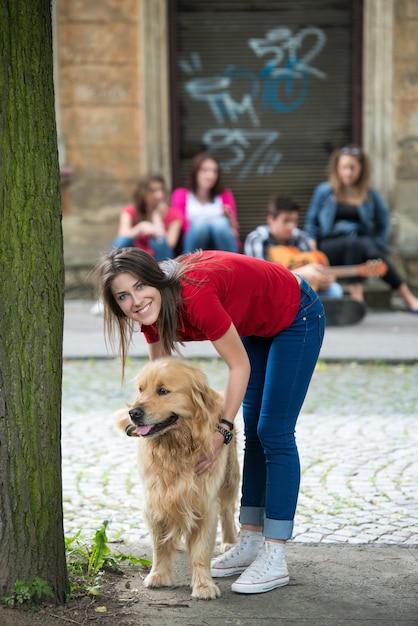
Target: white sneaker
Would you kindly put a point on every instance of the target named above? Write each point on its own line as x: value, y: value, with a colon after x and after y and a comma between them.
x: 239, y: 557
x: 268, y: 571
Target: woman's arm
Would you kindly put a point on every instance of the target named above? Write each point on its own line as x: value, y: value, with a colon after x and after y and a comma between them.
x: 125, y: 225
x: 231, y: 349
x: 173, y: 222
x: 230, y: 209
x: 311, y: 221
x: 178, y: 201
x: 127, y: 229
x: 173, y: 233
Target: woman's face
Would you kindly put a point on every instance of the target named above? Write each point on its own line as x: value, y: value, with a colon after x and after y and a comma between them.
x: 155, y: 194
x: 348, y: 169
x: 207, y: 175
x: 139, y: 302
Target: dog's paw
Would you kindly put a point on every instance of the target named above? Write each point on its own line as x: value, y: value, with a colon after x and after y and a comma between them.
x: 155, y: 579
x: 205, y: 590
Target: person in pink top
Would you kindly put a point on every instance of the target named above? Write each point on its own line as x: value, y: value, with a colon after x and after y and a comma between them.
x: 209, y: 212
x: 267, y: 324
x: 149, y: 223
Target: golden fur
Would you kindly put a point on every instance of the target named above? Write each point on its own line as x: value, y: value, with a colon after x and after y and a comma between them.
x: 178, y: 502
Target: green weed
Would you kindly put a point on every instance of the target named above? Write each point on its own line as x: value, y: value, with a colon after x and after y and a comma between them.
x: 28, y: 593
x: 87, y: 564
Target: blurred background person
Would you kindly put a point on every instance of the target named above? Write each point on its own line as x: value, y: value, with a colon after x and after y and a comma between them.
x: 349, y: 221
x: 149, y: 223
x: 208, y: 209
x: 281, y: 240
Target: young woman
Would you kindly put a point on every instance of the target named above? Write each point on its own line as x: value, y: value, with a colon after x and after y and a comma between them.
x: 149, y: 223
x: 350, y: 222
x: 208, y: 210
x: 267, y: 324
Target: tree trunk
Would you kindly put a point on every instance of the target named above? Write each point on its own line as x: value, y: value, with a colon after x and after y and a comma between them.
x: 31, y: 304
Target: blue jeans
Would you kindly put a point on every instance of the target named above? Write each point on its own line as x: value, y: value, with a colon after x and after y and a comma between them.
x: 213, y: 234
x: 159, y: 246
x: 281, y: 370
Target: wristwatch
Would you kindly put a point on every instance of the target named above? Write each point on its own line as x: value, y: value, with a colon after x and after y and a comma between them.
x: 227, y: 435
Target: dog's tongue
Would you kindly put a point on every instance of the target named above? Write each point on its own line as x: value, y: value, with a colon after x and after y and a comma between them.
x: 143, y: 430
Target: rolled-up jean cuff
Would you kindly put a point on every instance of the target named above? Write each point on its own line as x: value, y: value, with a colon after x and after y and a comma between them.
x: 253, y: 515
x: 277, y: 528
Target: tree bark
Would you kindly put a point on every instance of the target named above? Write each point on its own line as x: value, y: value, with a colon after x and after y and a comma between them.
x: 31, y: 304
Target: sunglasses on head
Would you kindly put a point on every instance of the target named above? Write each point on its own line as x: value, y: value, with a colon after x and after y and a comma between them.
x: 354, y: 150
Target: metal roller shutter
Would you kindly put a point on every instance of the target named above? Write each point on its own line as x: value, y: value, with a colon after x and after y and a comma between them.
x: 269, y: 89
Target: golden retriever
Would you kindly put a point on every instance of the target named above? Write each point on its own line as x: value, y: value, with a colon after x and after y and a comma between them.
x: 175, y: 415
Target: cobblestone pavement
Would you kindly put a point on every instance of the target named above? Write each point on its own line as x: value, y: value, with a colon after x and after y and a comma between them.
x: 357, y: 437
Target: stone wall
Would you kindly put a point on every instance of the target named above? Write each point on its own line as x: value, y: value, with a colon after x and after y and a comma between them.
x: 98, y: 84
x: 405, y: 99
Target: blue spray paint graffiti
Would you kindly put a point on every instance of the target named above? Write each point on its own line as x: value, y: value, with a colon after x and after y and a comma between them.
x: 282, y: 85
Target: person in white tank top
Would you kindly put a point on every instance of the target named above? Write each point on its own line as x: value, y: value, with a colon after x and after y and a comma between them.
x: 210, y: 217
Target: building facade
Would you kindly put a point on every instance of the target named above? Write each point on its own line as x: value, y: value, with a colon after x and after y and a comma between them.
x: 268, y: 87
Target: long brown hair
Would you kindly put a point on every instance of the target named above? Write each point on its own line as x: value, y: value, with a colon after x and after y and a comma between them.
x: 166, y: 276
x: 139, y: 195
x: 197, y: 162
x: 361, y: 186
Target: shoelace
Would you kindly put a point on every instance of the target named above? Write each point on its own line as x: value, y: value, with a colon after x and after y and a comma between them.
x: 258, y: 567
x: 236, y: 551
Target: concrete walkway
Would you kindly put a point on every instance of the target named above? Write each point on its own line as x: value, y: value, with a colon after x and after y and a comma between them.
x: 390, y: 336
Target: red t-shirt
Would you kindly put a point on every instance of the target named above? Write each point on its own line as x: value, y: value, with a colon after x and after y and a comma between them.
x: 260, y: 298
x: 142, y: 241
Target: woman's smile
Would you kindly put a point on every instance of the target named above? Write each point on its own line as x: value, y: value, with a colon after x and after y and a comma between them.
x: 144, y: 309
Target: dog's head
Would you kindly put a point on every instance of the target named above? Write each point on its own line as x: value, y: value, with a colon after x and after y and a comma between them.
x: 173, y: 394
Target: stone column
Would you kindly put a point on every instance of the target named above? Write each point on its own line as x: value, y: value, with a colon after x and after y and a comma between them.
x: 155, y: 86
x: 378, y: 137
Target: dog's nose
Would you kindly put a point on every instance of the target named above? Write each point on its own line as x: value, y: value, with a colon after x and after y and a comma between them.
x: 136, y: 414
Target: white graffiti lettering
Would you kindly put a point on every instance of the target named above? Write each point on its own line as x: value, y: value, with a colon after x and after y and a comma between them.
x: 215, y: 91
x: 291, y: 44
x: 249, y: 149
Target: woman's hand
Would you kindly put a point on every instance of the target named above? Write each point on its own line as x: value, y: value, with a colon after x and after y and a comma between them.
x: 207, y: 461
x: 148, y: 229
x: 316, y: 275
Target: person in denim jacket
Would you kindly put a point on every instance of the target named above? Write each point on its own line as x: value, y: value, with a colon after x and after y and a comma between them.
x: 350, y: 222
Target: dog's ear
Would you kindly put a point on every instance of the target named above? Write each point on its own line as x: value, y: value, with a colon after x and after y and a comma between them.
x: 207, y: 400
